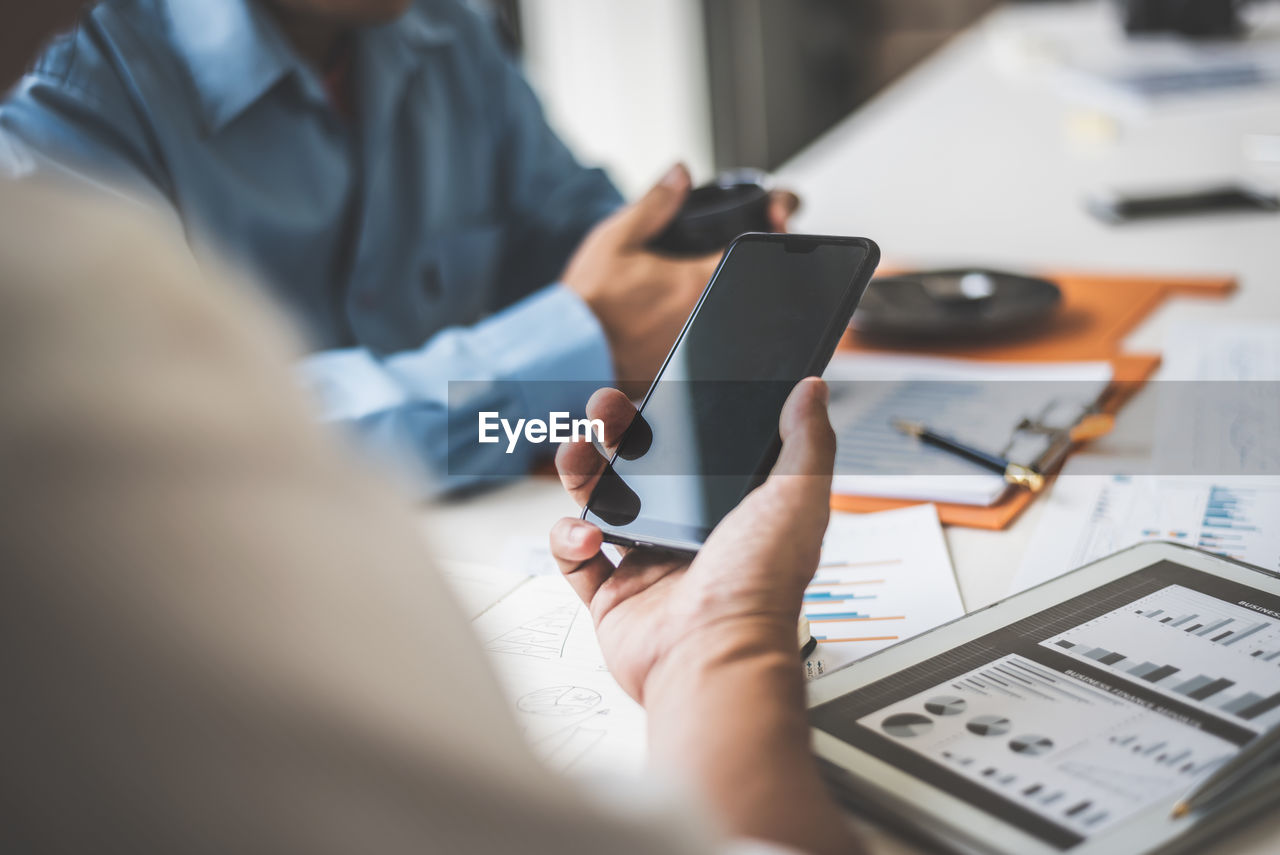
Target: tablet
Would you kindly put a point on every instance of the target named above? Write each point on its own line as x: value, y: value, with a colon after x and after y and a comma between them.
x: 1070, y: 717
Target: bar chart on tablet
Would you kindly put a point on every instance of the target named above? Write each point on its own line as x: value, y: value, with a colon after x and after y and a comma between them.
x: 1211, y: 654
x: 1051, y: 744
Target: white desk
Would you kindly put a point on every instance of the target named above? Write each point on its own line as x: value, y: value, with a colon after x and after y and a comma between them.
x: 960, y: 162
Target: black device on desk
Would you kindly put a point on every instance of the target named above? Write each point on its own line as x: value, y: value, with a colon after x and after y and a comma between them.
x: 1219, y: 199
x: 707, y: 432
x: 1194, y: 18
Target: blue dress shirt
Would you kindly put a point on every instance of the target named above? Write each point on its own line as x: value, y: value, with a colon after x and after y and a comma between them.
x: 414, y: 243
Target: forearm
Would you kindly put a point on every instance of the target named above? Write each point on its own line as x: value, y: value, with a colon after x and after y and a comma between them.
x: 729, y: 718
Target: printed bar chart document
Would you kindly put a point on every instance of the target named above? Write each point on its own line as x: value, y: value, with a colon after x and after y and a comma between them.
x: 1089, y: 516
x: 883, y: 577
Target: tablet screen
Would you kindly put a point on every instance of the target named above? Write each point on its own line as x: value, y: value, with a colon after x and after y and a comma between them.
x: 1076, y: 718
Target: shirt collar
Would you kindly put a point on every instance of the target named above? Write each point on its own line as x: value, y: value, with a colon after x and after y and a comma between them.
x: 425, y: 26
x: 235, y: 53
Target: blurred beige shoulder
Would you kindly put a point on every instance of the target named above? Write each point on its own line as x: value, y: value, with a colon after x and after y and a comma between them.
x: 66, y: 250
x: 111, y: 329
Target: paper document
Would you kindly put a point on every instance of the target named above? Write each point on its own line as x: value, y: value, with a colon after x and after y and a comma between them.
x: 1220, y: 400
x: 883, y: 577
x: 1087, y: 517
x: 542, y: 643
x: 1088, y: 58
x: 1172, y: 71
x: 1231, y: 350
x: 478, y: 586
x: 977, y: 403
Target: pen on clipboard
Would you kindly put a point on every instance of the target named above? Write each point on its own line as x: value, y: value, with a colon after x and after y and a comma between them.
x: 1014, y: 473
x: 1260, y: 752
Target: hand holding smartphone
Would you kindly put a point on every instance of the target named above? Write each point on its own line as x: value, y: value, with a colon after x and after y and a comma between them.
x: 707, y: 431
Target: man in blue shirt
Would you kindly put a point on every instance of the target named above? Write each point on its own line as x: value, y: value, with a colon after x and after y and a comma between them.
x: 387, y: 173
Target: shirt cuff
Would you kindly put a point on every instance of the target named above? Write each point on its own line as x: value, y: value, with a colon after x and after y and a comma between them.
x: 348, y: 384
x: 550, y: 333
x: 553, y: 346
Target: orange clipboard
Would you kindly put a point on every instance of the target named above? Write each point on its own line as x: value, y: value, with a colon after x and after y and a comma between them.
x: 1097, y: 312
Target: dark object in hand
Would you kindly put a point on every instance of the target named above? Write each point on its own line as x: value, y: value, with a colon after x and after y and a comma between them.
x: 716, y: 213
x: 954, y: 305
x: 1194, y: 18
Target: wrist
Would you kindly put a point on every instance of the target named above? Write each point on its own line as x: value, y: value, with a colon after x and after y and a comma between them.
x: 583, y: 281
x: 730, y: 720
x: 716, y: 646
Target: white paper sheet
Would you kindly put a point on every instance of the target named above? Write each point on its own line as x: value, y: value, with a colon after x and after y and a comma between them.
x: 529, y: 555
x: 541, y: 641
x: 889, y: 573
x: 1089, y: 59
x: 1089, y: 516
x: 1226, y: 350
x: 478, y: 586
x: 1219, y: 394
x: 1219, y: 412
x: 883, y: 577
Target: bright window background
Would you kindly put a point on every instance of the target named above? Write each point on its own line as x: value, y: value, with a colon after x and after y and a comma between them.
x: 624, y: 83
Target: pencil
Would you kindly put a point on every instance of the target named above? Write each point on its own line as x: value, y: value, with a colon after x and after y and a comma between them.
x: 1257, y: 753
x: 1014, y: 473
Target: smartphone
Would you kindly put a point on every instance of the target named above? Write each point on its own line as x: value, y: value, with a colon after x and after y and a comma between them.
x: 706, y: 433
x: 1117, y: 208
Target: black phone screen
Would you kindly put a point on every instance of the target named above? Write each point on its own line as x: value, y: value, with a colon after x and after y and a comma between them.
x: 708, y: 430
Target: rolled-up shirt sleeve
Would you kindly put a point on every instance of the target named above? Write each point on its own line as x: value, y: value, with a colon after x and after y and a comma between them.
x: 418, y: 411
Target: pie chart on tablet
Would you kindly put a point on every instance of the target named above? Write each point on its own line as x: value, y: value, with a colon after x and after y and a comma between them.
x: 906, y: 725
x: 988, y: 725
x: 945, y: 705
x: 1031, y: 745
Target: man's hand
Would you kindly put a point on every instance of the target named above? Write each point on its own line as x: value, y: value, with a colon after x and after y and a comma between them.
x: 745, y: 586
x: 709, y: 647
x: 641, y: 298
x: 782, y: 204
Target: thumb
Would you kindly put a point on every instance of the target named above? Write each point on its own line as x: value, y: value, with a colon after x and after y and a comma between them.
x: 808, y: 451
x: 651, y: 213
x: 808, y: 442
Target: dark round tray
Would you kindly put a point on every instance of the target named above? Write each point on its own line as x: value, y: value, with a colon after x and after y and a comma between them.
x: 955, y: 304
